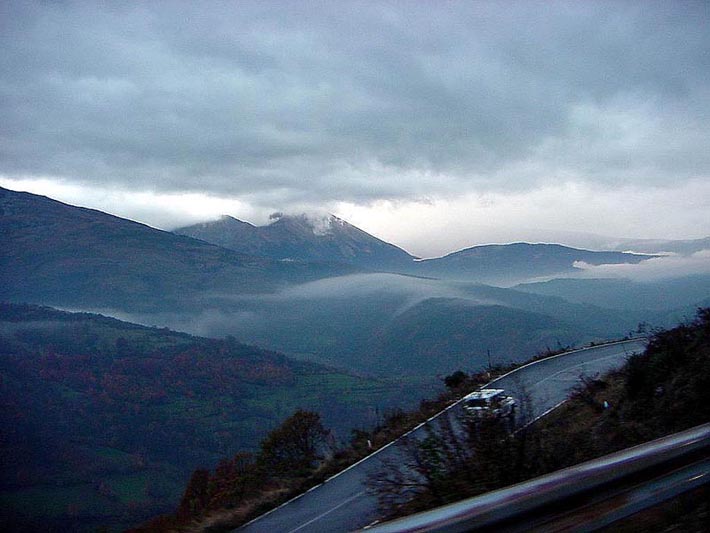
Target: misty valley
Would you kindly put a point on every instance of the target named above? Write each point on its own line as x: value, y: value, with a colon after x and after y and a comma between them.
x: 105, y: 419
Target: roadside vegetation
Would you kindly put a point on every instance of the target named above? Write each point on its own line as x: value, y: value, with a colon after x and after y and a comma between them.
x: 664, y: 390
x: 246, y: 485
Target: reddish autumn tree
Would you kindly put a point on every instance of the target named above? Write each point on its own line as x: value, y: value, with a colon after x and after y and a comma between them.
x: 292, y: 448
x: 196, y: 496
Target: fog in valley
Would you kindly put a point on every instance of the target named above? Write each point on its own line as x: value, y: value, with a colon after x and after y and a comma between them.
x: 350, y: 321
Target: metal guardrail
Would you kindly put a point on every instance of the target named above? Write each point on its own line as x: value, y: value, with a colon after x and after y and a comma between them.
x: 514, y: 506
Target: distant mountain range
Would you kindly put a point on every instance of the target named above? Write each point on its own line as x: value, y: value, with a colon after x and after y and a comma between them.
x: 313, y: 290
x: 624, y: 294
x: 501, y: 263
x: 654, y: 246
x: 57, y: 254
x: 332, y: 239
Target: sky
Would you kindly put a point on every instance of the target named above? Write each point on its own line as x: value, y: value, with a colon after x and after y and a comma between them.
x: 433, y: 125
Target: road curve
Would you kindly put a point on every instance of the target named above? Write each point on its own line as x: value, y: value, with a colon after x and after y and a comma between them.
x: 343, y: 503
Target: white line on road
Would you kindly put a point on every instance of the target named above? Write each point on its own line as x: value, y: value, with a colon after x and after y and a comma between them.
x: 351, y: 498
x: 545, y: 359
x: 551, y: 376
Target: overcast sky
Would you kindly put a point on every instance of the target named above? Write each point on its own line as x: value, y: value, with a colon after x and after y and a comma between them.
x: 435, y: 125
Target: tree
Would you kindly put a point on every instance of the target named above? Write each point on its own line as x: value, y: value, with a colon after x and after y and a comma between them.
x: 292, y: 448
x: 455, y: 380
x: 233, y: 481
x: 196, y: 496
x: 454, y: 457
x: 430, y: 465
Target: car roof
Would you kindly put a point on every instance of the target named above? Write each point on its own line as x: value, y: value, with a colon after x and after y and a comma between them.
x: 483, y: 394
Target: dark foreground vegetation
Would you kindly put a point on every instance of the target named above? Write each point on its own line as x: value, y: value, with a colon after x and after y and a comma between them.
x: 664, y: 390
x: 248, y: 483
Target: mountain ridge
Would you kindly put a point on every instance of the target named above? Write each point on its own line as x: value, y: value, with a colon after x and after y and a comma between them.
x: 519, y: 260
x: 56, y: 253
x: 302, y: 237
x: 299, y: 236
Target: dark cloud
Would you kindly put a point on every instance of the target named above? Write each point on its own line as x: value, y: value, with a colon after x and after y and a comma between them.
x: 320, y: 101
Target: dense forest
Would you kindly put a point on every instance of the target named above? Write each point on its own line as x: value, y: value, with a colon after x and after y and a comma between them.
x: 103, y: 420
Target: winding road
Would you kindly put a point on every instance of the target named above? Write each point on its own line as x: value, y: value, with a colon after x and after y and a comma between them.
x: 343, y: 503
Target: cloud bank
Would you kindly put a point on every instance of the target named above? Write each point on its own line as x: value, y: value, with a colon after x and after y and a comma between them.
x: 666, y: 267
x: 274, y: 105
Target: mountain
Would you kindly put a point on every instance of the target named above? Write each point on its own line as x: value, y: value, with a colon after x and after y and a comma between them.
x: 684, y: 293
x: 332, y: 239
x: 503, y: 263
x: 682, y: 247
x: 104, y: 420
x: 57, y: 254
x: 302, y: 238
x: 440, y: 335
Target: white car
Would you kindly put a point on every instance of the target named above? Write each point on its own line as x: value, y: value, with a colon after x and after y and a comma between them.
x: 489, y: 403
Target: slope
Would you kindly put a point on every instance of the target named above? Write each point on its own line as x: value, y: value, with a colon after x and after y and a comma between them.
x: 303, y: 238
x: 103, y: 420
x: 58, y: 254
x: 506, y: 263
x: 662, y: 295
x: 440, y: 335
x: 369, y: 322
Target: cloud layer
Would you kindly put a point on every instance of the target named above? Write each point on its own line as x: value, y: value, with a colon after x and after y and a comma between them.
x: 310, y: 102
x: 433, y: 125
x: 652, y: 269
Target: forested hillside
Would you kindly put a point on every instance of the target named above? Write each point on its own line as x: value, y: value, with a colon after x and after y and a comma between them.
x: 103, y: 420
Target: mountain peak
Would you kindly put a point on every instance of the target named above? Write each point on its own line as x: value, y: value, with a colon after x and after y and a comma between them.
x: 228, y: 219
x: 305, y: 237
x: 315, y: 224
